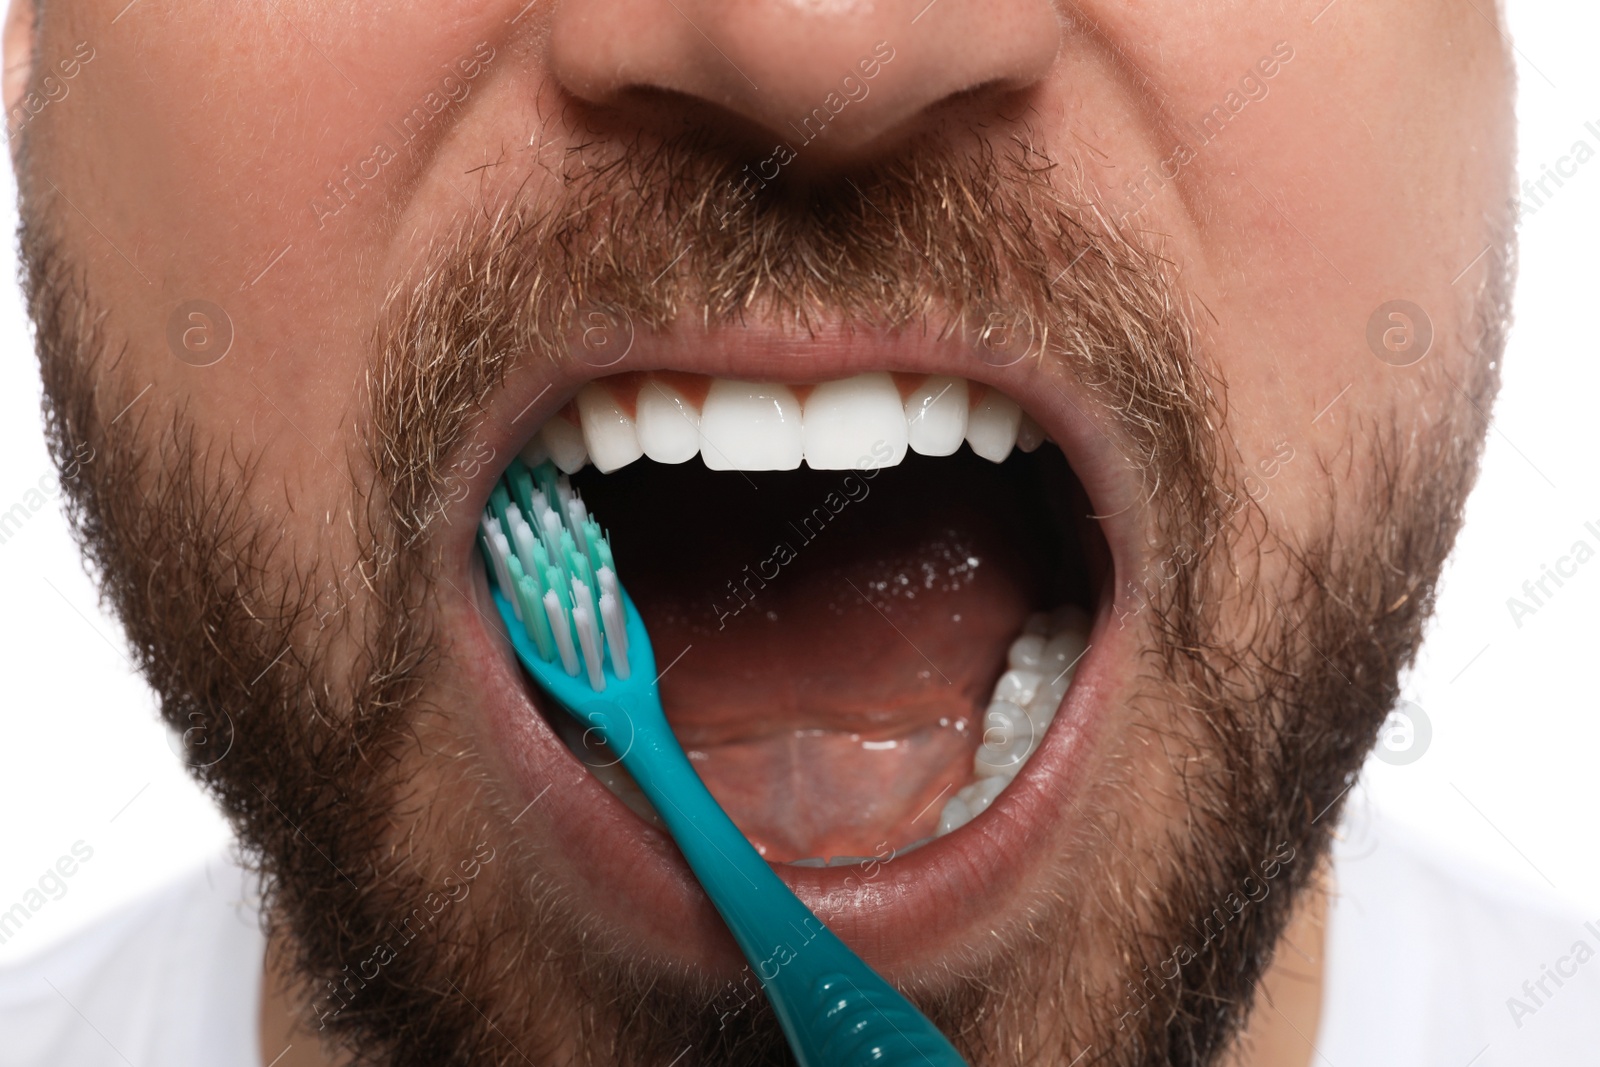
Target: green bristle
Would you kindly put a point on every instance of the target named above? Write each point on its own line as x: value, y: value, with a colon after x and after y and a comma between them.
x: 591, y: 541
x: 552, y: 543
x: 546, y: 474
x: 564, y: 595
x: 581, y: 571
x: 499, y: 501
x: 535, y: 620
x: 533, y: 575
x: 576, y: 563
x: 521, y: 483
x: 515, y: 567
x: 541, y: 560
x: 602, y: 553
x: 555, y: 584
x: 569, y: 552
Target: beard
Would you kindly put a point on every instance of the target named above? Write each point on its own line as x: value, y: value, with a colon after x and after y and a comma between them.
x: 1269, y: 662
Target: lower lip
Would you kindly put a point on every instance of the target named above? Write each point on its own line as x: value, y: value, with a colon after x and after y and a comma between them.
x: 898, y: 913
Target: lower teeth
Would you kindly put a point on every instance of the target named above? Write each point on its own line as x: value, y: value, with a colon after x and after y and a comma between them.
x: 1039, y: 668
x: 1040, y: 665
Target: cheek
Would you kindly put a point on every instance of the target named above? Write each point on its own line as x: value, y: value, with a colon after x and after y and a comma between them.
x: 214, y: 202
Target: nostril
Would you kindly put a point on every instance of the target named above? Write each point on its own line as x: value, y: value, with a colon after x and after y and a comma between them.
x: 862, y: 73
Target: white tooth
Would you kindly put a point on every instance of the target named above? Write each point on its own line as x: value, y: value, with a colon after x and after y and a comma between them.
x: 1003, y: 761
x: 564, y: 442
x: 1038, y: 623
x: 1062, y: 651
x: 855, y: 424
x: 1025, y: 652
x: 1030, y: 435
x: 980, y: 794
x: 1003, y: 721
x: 1042, y: 711
x: 955, y: 815
x: 534, y: 452
x: 608, y: 431
x: 1017, y: 686
x: 992, y: 426
x: 809, y: 861
x: 1007, y: 740
x: 748, y: 426
x: 669, y: 426
x: 936, y: 416
x: 849, y: 861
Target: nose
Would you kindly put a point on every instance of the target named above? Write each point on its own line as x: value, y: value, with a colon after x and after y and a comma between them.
x: 836, y: 75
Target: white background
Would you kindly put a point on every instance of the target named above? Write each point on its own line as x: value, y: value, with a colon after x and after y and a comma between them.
x: 1509, y: 777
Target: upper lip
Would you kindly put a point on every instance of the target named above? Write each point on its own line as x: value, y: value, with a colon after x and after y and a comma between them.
x: 910, y: 907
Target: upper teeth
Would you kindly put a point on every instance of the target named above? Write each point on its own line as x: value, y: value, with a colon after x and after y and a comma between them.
x: 856, y: 423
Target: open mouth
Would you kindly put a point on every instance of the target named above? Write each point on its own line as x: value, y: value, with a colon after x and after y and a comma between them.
x: 869, y: 596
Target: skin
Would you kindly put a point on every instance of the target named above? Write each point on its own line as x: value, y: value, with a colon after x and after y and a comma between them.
x: 191, y: 147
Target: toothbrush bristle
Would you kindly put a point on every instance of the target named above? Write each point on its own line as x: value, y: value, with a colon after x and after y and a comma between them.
x: 552, y: 562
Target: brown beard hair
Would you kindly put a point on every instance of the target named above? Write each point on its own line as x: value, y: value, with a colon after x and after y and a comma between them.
x: 1274, y: 698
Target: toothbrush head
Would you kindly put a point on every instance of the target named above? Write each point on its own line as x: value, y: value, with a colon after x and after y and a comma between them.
x: 556, y: 584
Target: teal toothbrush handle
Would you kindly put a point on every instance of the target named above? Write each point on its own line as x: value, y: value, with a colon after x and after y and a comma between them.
x: 835, y: 1010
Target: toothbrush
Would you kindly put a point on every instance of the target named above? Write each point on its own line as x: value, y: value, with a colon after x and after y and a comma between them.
x: 577, y: 632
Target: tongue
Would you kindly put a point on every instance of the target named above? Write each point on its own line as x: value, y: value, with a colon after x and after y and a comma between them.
x: 843, y: 633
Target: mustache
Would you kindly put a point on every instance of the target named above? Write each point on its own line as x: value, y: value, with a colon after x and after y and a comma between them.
x: 992, y: 242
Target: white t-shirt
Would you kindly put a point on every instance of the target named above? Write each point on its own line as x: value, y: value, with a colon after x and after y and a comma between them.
x: 1426, y: 965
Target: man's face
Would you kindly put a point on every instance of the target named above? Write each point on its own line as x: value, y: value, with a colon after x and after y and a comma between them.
x: 307, y: 277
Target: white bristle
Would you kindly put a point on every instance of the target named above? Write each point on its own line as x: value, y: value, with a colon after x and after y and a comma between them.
x: 487, y: 525
x: 564, y: 492
x: 499, y: 550
x: 616, y: 629
x: 589, y: 637
x: 577, y: 513
x: 503, y: 552
x: 563, y: 632
x: 582, y: 594
x: 524, y: 541
x: 541, y: 511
